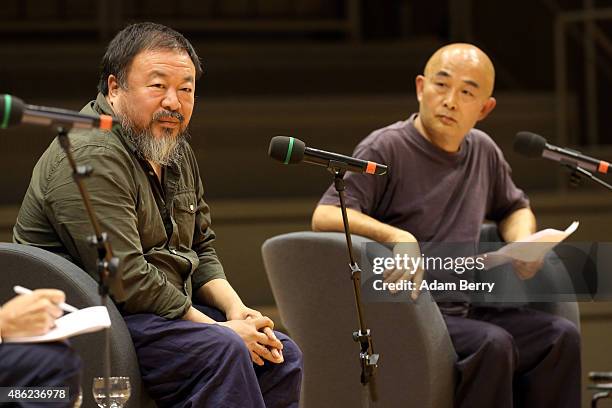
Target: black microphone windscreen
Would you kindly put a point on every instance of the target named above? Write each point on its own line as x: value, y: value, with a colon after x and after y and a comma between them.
x: 287, y: 150
x: 11, y: 110
x: 529, y: 144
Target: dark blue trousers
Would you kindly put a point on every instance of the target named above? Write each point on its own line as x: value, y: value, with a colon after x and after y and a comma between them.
x: 186, y: 364
x: 40, y: 365
x: 515, y: 357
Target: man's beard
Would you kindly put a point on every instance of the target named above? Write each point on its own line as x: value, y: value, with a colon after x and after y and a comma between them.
x: 164, y: 150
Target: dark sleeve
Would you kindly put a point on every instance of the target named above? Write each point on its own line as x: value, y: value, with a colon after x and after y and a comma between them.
x: 209, y: 267
x: 113, y: 195
x: 504, y: 197
x: 363, y: 191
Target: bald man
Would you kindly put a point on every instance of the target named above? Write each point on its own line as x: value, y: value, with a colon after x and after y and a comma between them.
x: 446, y: 178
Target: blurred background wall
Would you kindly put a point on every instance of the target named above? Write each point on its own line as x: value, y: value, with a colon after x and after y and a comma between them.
x: 329, y: 72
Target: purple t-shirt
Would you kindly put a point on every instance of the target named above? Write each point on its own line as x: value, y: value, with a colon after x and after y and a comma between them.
x: 435, y: 195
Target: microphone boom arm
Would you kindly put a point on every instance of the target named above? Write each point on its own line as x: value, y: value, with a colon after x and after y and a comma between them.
x: 579, y: 172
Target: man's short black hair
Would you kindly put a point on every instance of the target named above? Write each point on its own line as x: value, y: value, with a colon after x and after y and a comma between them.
x: 134, y: 39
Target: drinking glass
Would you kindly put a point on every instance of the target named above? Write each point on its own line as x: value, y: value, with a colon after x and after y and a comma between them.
x: 79, y: 399
x: 119, y: 388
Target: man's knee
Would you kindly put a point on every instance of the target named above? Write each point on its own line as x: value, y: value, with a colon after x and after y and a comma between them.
x: 498, y: 345
x: 232, y: 345
x: 291, y: 351
x: 567, y: 335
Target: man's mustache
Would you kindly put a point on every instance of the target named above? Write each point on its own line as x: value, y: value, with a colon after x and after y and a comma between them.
x: 166, y: 114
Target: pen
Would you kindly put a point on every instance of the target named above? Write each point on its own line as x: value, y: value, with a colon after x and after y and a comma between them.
x: 20, y: 290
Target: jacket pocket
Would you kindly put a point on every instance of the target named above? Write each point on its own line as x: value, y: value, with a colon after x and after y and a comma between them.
x: 184, y: 210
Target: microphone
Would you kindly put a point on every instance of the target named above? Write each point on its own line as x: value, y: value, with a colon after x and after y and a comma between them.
x: 532, y: 145
x: 13, y: 112
x: 290, y: 150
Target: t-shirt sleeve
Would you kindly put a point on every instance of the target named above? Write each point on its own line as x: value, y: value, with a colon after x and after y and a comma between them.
x: 363, y: 191
x: 504, y: 197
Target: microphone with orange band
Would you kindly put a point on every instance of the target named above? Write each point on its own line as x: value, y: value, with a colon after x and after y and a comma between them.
x: 533, y: 145
x: 289, y: 150
x: 13, y: 112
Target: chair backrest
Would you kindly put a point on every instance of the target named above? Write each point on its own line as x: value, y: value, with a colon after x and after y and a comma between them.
x: 311, y: 282
x: 36, y: 268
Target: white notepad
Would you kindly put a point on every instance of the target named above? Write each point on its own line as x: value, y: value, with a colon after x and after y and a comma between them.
x: 527, y: 250
x: 86, y: 320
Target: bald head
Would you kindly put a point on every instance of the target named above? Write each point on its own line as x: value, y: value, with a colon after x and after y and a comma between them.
x: 466, y: 55
x: 454, y: 94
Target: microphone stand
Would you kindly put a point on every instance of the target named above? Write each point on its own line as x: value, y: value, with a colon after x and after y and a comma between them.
x: 578, y: 172
x: 107, y: 265
x: 367, y: 358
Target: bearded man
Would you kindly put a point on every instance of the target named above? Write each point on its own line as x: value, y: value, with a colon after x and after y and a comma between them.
x: 195, y: 339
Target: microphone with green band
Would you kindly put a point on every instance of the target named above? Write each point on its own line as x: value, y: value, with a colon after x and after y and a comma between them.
x: 289, y: 150
x: 11, y: 111
x: 14, y: 112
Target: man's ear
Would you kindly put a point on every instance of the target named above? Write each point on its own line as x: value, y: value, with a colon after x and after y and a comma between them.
x: 487, y: 108
x: 420, y: 84
x: 113, y: 88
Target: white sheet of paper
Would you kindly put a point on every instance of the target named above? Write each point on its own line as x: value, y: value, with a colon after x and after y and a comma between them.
x: 525, y: 251
x: 86, y: 320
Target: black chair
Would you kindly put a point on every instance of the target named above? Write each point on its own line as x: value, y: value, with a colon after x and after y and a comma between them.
x: 308, y: 273
x: 35, y: 268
